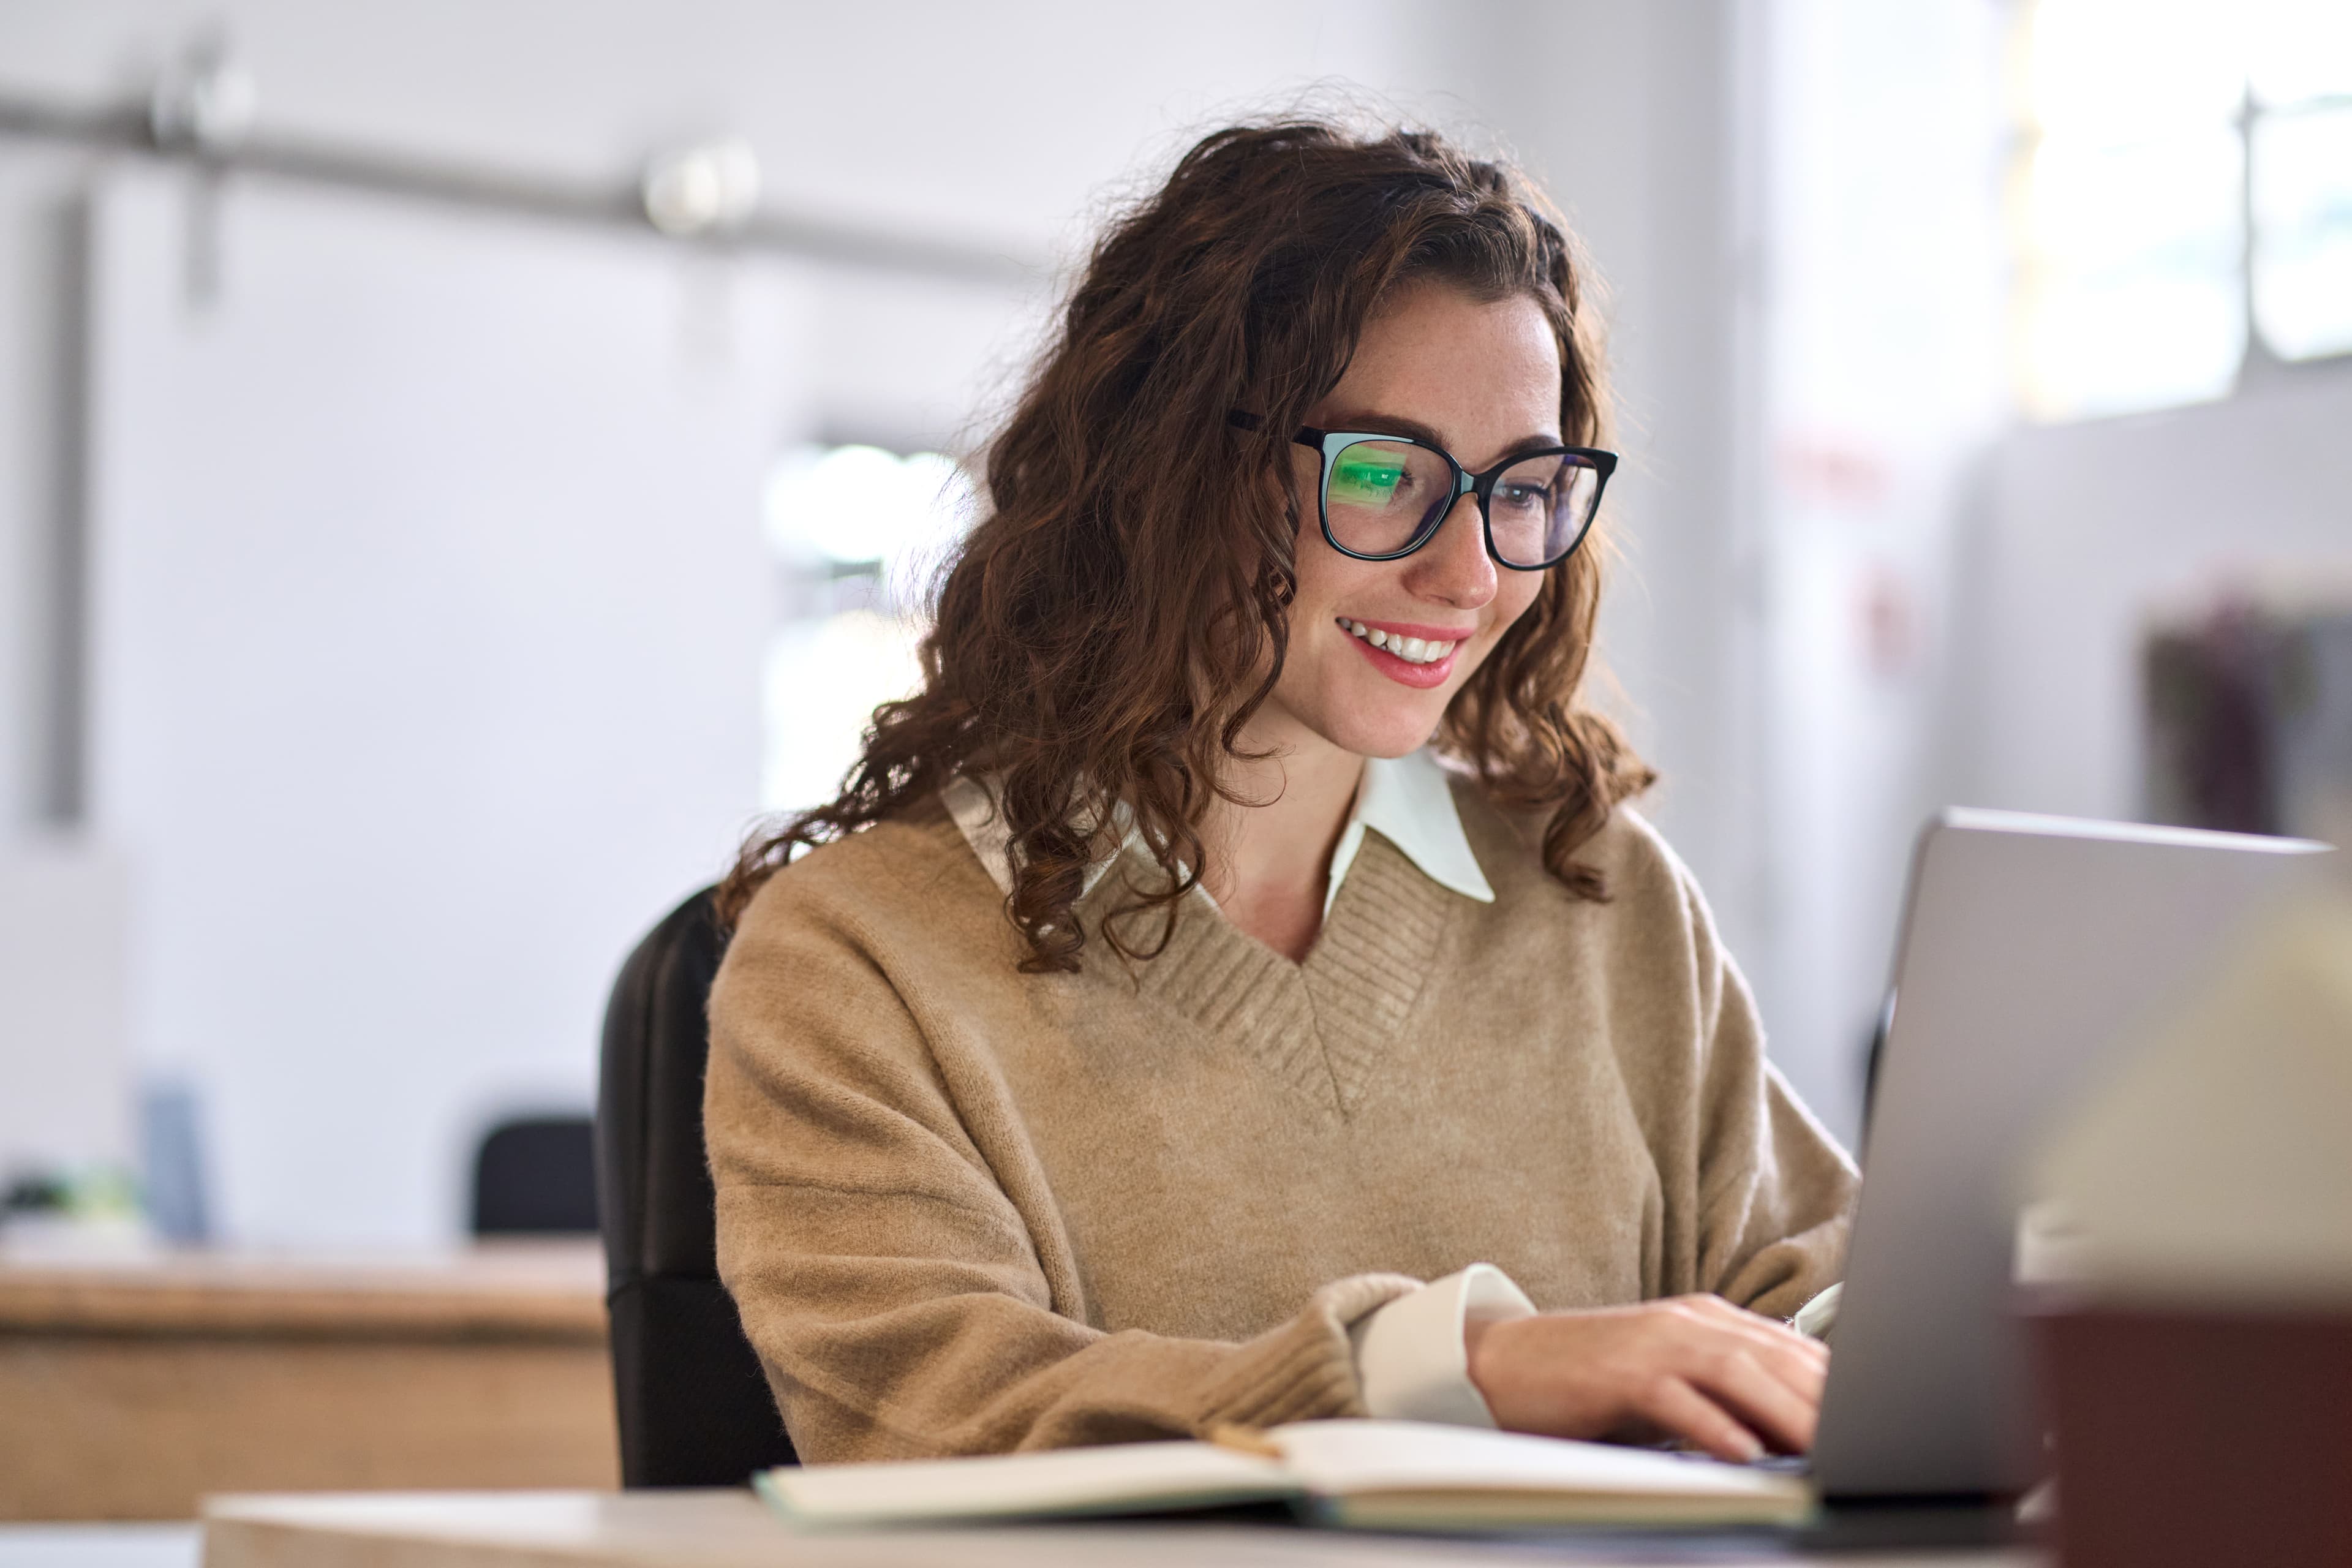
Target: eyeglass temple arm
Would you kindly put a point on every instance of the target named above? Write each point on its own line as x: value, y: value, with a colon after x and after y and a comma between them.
x: 1243, y: 420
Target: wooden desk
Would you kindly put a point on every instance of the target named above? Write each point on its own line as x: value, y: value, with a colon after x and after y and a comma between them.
x: 131, y: 1389
x: 732, y: 1529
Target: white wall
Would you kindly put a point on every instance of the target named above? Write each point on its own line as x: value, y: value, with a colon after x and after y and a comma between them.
x: 65, y: 1100
x: 1882, y: 297
x: 427, y: 598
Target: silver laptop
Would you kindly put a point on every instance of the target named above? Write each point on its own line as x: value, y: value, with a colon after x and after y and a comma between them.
x: 2031, y: 945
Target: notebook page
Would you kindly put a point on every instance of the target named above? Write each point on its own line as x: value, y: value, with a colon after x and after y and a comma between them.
x: 1336, y: 1458
x: 1120, y: 1478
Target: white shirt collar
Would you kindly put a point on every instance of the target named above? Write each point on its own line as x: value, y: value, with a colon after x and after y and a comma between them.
x: 974, y: 805
x: 971, y: 802
x: 1406, y: 800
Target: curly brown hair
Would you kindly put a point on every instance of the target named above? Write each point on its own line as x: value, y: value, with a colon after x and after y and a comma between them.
x: 1120, y: 611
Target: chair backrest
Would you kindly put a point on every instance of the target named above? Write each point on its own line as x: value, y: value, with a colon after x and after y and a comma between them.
x: 535, y: 1175
x: 693, y: 1408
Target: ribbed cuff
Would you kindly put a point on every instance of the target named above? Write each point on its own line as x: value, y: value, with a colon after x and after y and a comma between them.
x: 1305, y: 1370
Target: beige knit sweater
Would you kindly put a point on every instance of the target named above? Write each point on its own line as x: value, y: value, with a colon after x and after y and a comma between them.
x: 963, y: 1209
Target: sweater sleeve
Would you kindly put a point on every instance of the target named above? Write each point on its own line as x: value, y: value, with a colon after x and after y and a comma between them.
x: 1776, y: 1191
x: 892, y: 1288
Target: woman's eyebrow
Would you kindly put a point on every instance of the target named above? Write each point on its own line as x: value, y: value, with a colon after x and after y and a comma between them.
x: 1376, y: 424
x: 1530, y: 444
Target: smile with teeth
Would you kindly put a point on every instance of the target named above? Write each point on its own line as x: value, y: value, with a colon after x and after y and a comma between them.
x: 1413, y: 650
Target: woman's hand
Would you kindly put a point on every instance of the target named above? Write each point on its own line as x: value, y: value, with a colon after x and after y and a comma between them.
x: 1694, y: 1367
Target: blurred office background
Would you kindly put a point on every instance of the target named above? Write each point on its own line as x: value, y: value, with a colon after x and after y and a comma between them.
x: 458, y: 462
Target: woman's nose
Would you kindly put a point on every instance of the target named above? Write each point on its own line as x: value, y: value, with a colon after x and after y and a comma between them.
x: 1454, y: 568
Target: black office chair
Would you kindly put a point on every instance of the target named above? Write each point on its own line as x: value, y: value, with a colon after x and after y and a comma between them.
x: 695, y: 1410
x: 535, y: 1175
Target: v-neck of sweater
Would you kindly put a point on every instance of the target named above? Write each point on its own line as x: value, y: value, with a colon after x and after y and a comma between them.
x: 1325, y: 1023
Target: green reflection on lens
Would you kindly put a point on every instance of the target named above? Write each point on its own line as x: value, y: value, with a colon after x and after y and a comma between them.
x: 1365, y: 478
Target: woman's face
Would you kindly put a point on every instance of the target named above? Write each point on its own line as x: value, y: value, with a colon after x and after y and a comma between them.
x: 1481, y: 380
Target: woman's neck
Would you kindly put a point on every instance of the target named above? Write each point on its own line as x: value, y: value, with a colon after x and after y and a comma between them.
x: 1269, y: 862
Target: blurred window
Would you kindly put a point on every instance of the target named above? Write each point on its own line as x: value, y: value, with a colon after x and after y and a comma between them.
x: 2184, y: 172
x: 857, y: 532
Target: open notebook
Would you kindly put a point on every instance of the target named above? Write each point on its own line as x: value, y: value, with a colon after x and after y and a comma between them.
x: 1373, y: 1475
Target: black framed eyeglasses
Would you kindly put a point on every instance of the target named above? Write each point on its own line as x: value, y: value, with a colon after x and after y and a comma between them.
x: 1383, y: 496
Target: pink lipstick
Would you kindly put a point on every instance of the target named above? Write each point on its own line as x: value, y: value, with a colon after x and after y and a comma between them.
x: 1401, y: 651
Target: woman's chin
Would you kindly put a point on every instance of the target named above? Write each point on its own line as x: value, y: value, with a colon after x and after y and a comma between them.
x: 1359, y: 710
x: 1390, y: 734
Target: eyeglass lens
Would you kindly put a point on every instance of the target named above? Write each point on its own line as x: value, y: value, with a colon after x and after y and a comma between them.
x: 1384, y: 497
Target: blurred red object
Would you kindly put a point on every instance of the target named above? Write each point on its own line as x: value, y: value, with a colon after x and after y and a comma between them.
x: 2199, y: 1437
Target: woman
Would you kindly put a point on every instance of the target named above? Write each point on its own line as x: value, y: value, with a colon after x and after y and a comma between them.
x: 1158, y: 1035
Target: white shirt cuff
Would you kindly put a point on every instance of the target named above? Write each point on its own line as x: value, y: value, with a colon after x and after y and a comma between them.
x: 1412, y: 1357
x: 1817, y: 1318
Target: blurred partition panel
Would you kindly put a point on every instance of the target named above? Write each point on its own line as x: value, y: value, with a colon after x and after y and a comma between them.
x: 427, y: 607
x: 2092, y: 533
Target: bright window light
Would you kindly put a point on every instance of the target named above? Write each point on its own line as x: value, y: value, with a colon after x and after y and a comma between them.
x: 2129, y: 291
x: 857, y: 532
x: 2152, y: 131
x: 2302, y: 230
x: 856, y: 506
x: 2298, y: 50
x: 2130, y: 70
x: 823, y: 680
x: 2130, y: 206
